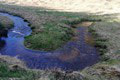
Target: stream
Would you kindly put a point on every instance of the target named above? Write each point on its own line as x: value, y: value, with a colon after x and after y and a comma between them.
x: 74, y: 55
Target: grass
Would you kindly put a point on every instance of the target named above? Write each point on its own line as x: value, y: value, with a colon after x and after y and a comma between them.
x: 5, y: 22
x: 12, y: 68
x: 5, y: 25
x: 7, y: 74
x: 93, y: 6
x: 99, y: 42
x: 113, y: 62
x: 51, y: 38
x: 105, y: 33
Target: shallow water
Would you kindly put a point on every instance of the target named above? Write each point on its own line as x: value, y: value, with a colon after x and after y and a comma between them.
x: 74, y: 55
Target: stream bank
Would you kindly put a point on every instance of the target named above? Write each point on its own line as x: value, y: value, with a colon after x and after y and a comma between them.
x: 74, y: 55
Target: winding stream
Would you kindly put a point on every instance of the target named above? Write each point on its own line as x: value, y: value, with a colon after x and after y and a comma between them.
x: 74, y: 55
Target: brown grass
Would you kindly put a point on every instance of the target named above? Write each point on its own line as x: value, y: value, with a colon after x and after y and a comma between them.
x: 93, y: 6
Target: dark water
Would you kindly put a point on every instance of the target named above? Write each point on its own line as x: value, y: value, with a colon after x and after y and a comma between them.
x: 75, y: 55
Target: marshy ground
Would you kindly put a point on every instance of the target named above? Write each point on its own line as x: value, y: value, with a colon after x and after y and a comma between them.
x: 51, y: 22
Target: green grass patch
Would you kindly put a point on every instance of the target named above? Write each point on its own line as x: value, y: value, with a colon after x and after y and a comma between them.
x: 6, y: 72
x: 51, y: 38
x: 113, y: 62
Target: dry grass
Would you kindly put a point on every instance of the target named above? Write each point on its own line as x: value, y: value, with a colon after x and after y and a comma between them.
x: 110, y: 30
x: 93, y: 6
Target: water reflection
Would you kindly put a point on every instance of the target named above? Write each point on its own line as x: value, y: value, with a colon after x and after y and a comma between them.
x: 2, y: 43
x: 3, y: 33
